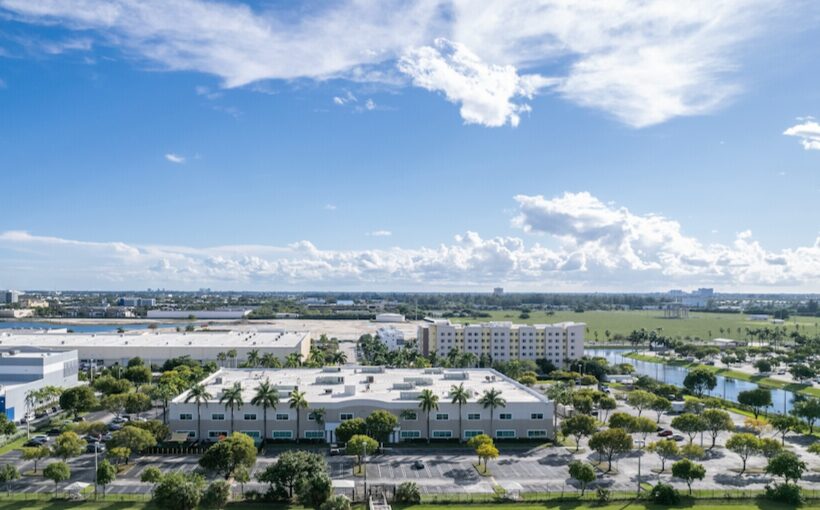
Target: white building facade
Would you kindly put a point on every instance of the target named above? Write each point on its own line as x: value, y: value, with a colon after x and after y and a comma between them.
x: 22, y: 371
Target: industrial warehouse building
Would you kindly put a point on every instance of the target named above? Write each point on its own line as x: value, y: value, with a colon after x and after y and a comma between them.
x: 504, y: 341
x: 157, y: 347
x: 26, y: 370
x: 355, y: 392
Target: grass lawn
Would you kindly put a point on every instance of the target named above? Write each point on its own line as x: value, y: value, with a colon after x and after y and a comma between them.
x: 621, y: 505
x: 19, y: 504
x: 699, y: 324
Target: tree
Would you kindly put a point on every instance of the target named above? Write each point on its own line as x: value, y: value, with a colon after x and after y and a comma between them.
x: 408, y: 492
x: 607, y: 404
x: 292, y: 465
x: 699, y: 381
x: 361, y: 445
x: 133, y: 438
x: 801, y: 371
x: 690, y: 424
x: 744, y: 445
x: 338, y: 502
x: 380, y: 424
x: 106, y: 473
x: 578, y: 426
x: 35, y: 453
x: 78, y: 400
x: 151, y: 474
x: 661, y: 406
x: 8, y: 473
x: 266, y: 397
x: 110, y: 385
x: 769, y: 447
x: 136, y: 403
x: 757, y: 399
x: 57, y: 472
x: 217, y: 494
x: 68, y: 444
x: 224, y: 457
x: 314, y: 489
x: 692, y: 452
x: 297, y: 402
x: 159, y: 430
x: 640, y: 399
x: 783, y: 424
x: 582, y: 472
x: 688, y: 471
x: 643, y: 425
x: 350, y: 428
x: 609, y: 442
x: 665, y: 449
x: 491, y: 399
x: 198, y: 394
x: 232, y: 399
x: 459, y: 396
x: 715, y: 422
x: 809, y: 411
x: 582, y: 403
x: 178, y: 491
x: 763, y: 366
x: 138, y: 374
x: 621, y: 421
x: 119, y: 454
x: 428, y: 402
x: 486, y: 452
x: 477, y: 441
x: 788, y: 465
x: 242, y: 475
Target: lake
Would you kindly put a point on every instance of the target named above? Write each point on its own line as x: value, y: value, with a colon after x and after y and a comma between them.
x: 77, y: 328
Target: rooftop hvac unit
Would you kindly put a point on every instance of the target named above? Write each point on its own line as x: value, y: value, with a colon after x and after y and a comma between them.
x: 331, y: 369
x: 373, y: 370
x: 217, y: 380
x: 371, y: 379
x: 328, y: 391
x: 403, y: 386
x: 454, y: 376
x: 433, y: 370
x: 409, y: 395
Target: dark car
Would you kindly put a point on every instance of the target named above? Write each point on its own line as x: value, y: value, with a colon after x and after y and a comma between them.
x: 418, y: 465
x: 78, y: 419
x: 54, y: 432
x: 95, y: 448
x: 665, y: 433
x: 36, y: 441
x: 114, y: 427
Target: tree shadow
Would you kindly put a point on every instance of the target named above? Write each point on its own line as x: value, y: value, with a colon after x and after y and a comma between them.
x: 462, y: 476
x: 741, y: 480
x: 555, y: 460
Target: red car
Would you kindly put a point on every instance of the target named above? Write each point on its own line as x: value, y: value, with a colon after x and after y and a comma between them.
x: 665, y: 433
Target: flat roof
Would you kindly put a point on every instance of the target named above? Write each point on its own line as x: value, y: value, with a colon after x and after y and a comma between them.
x: 369, y: 383
x: 217, y: 339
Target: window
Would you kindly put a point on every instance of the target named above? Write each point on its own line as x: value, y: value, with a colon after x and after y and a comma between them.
x: 345, y: 416
x: 249, y: 416
x: 536, y: 433
x: 218, y: 416
x: 314, y: 434
x: 410, y: 434
x: 312, y: 416
x: 442, y: 434
x: 252, y: 433
x: 537, y: 416
x: 186, y: 416
x: 282, y: 416
x: 442, y: 416
x: 408, y: 416
x: 473, y: 416
x: 213, y: 434
x: 504, y: 433
x: 472, y: 433
x: 191, y: 433
x: 282, y: 434
x: 505, y: 416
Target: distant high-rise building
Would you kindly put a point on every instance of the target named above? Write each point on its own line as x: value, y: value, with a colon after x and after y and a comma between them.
x: 498, y: 291
x: 11, y: 297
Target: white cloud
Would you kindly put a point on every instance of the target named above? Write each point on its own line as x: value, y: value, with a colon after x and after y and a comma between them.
x: 593, y: 246
x: 330, y: 207
x: 489, y: 95
x: 642, y: 61
x: 175, y: 158
x: 369, y: 105
x: 380, y: 233
x: 344, y: 99
x: 808, y: 132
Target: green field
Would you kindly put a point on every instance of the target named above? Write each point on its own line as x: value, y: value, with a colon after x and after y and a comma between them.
x: 698, y: 325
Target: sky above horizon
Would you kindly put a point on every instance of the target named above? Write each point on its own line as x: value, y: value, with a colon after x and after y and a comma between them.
x: 442, y: 145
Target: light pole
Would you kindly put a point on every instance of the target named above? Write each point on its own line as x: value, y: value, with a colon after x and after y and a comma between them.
x: 364, y: 466
x: 96, y: 450
x: 640, y: 443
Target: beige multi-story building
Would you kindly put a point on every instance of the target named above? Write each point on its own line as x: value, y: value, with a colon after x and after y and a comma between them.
x: 504, y: 341
x: 337, y: 394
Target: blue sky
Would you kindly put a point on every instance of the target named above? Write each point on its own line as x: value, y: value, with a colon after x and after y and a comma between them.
x: 416, y: 146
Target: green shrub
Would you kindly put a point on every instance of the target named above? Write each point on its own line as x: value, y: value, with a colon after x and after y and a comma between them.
x: 337, y: 502
x: 664, y: 494
x: 785, y: 493
x: 408, y: 492
x: 217, y: 494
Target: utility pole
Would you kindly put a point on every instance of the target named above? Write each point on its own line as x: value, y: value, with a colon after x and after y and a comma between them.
x: 640, y: 444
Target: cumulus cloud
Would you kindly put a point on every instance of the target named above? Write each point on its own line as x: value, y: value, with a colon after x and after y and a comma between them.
x: 489, y: 95
x: 175, y: 158
x: 808, y: 132
x: 380, y: 233
x: 642, y: 61
x: 589, y: 245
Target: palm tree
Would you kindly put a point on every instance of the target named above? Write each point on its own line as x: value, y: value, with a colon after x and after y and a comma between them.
x: 428, y: 401
x: 253, y: 358
x: 267, y: 397
x: 293, y: 360
x: 232, y: 399
x: 232, y: 356
x: 270, y: 361
x: 297, y: 401
x: 221, y: 357
x: 199, y: 394
x: 459, y: 395
x: 338, y: 358
x: 492, y: 399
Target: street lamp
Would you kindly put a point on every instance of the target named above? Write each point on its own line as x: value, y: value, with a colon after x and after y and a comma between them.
x: 640, y: 443
x: 96, y: 451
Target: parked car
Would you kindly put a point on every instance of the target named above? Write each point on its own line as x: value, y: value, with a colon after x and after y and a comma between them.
x: 665, y: 433
x: 36, y: 441
x: 78, y: 419
x: 114, y: 427
x: 678, y: 437
x: 335, y: 451
x: 95, y: 448
x: 91, y: 438
x: 108, y: 436
x: 418, y: 465
x: 54, y: 432
x: 119, y: 419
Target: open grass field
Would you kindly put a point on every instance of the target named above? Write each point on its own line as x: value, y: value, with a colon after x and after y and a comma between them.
x: 698, y: 325
x: 698, y: 505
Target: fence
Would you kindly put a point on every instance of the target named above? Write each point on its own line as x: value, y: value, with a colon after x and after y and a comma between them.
x: 175, y: 450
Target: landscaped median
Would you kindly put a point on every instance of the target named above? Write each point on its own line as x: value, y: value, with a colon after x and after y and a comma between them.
x: 762, y: 381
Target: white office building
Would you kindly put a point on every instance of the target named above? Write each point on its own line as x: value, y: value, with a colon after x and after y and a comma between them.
x: 391, y: 337
x: 22, y: 371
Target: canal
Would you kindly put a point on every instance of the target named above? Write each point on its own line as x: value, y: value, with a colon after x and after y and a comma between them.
x: 727, y: 388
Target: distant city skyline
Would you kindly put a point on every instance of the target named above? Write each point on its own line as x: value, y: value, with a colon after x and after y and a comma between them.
x: 438, y: 146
